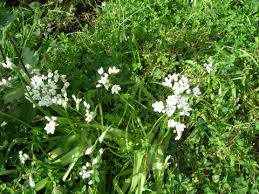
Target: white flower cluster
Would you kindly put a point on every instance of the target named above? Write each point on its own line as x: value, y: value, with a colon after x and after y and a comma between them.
x: 89, y: 168
x: 51, y: 125
x: 177, y: 101
x: 89, y: 115
x: 105, y: 82
x: 45, y: 90
x: 208, y: 66
x: 23, y: 157
x: 5, y: 82
x: 7, y: 64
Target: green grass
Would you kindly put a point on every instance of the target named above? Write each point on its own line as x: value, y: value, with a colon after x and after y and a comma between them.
x: 146, y: 40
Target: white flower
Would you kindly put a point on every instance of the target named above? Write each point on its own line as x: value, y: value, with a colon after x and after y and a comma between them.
x: 208, y: 67
x: 23, y: 157
x: 113, y: 70
x: 171, y: 123
x: 186, y: 111
x: 36, y: 81
x: 87, y: 164
x: 101, y: 151
x: 7, y: 64
x: 170, y: 110
x: 5, y: 82
x: 95, y: 161
x: 50, y: 127
x: 167, y: 82
x: 102, y: 136
x: 88, y: 151
x: 172, y: 100
x: 90, y: 182
x: 89, y: 116
x: 179, y: 128
x: 196, y: 91
x: 158, y: 106
x: 31, y: 181
x: 181, y: 86
x: 100, y: 71
x: 85, y: 173
x: 104, y: 81
x: 77, y: 101
x: 116, y: 89
x: 169, y: 79
x: 45, y: 90
x: 3, y: 124
x: 167, y: 158
x: 86, y: 105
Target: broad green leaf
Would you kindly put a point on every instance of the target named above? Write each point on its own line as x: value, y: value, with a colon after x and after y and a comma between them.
x: 6, y: 17
x: 13, y: 95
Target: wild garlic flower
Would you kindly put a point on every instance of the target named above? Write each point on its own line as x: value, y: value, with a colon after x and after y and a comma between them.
x: 95, y: 161
x: 89, y: 116
x: 176, y: 103
x: 209, y: 66
x: 158, y: 106
x: 31, y: 181
x: 5, y: 82
x: 179, y: 128
x: 179, y: 84
x: 100, y: 71
x: 85, y: 172
x: 88, y: 151
x: 77, y: 101
x: 115, y: 89
x: 23, y: 157
x: 105, y: 81
x: 90, y: 182
x: 7, y: 64
x: 51, y: 125
x: 196, y: 91
x: 113, y: 70
x: 45, y: 90
x: 101, y: 151
x: 90, y: 168
x: 3, y: 124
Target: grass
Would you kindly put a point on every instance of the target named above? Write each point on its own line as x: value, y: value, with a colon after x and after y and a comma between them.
x: 146, y: 40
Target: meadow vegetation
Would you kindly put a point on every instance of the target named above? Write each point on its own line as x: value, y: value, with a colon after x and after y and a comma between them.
x: 138, y: 96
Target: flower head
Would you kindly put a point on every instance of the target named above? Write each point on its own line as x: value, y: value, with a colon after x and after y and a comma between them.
x: 51, y: 125
x: 23, y: 157
x: 113, y: 70
x: 116, y: 89
x: 77, y: 101
x: 178, y: 126
x: 208, y: 67
x: 196, y: 91
x: 3, y: 124
x: 158, y: 106
x: 45, y: 89
x: 7, y: 64
x: 100, y: 71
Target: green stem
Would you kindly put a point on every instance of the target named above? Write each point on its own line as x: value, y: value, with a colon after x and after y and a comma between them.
x: 18, y: 53
x: 6, y: 172
x: 2, y: 53
x: 101, y: 112
x: 14, y: 118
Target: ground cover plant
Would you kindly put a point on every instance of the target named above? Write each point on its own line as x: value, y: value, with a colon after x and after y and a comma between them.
x: 151, y: 96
